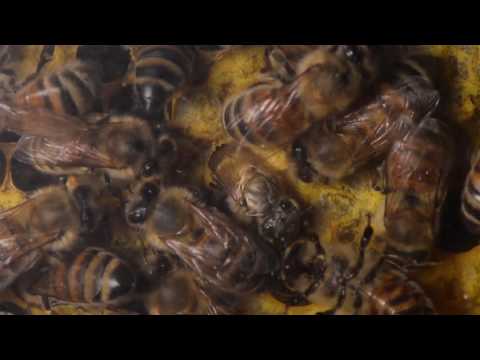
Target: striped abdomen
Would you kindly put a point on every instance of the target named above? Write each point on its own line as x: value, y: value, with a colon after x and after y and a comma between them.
x: 392, y: 293
x: 71, y: 91
x: 160, y: 71
x: 33, y: 152
x: 471, y: 199
x: 94, y: 276
x: 265, y: 115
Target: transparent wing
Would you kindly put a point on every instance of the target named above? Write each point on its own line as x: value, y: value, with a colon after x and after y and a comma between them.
x: 41, y: 123
x: 15, y: 240
x: 70, y: 154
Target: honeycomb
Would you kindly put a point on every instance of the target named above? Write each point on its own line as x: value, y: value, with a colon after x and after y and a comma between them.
x: 453, y: 282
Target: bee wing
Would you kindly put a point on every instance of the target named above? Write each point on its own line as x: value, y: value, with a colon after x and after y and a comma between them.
x: 15, y: 241
x: 268, y: 109
x: 41, y: 123
x: 70, y: 154
x: 11, y: 251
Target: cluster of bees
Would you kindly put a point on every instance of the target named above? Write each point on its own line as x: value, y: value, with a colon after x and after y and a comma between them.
x: 97, y: 132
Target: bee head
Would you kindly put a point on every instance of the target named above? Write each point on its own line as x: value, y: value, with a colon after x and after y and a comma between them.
x: 284, y: 223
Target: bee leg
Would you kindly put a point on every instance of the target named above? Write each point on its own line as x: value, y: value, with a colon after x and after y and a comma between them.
x: 379, y: 180
x: 45, y: 57
x: 171, y: 109
x: 107, y: 179
x: 278, y: 65
x: 409, y: 265
x: 367, y: 237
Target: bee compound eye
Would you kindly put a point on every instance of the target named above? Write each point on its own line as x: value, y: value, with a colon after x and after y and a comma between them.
x: 150, y: 168
x: 150, y: 192
x: 286, y: 205
x: 354, y: 54
x: 138, y: 215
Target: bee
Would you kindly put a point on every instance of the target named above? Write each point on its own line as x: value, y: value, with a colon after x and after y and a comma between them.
x: 52, y: 220
x: 340, y: 147
x: 257, y: 192
x: 418, y: 170
x: 349, y: 280
x: 471, y: 198
x: 272, y: 113
x: 120, y: 146
x: 179, y: 294
x: 92, y: 277
x: 161, y: 71
x: 220, y: 252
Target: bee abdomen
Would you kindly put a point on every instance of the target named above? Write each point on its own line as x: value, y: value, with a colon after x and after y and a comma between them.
x: 72, y: 91
x: 94, y: 276
x: 160, y: 71
x: 394, y: 294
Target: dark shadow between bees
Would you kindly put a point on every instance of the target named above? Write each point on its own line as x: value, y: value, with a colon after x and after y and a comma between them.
x: 28, y: 179
x: 114, y: 59
x: 9, y: 308
x: 454, y: 236
x: 8, y: 137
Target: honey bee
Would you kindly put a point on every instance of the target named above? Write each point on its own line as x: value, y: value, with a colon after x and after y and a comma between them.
x: 257, y: 192
x: 471, y: 198
x: 120, y: 146
x: 161, y: 71
x: 351, y: 280
x: 345, y: 144
x: 113, y: 60
x: 220, y: 253
x: 418, y: 170
x: 52, y: 220
x: 92, y: 277
x: 327, y: 83
x: 179, y: 294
